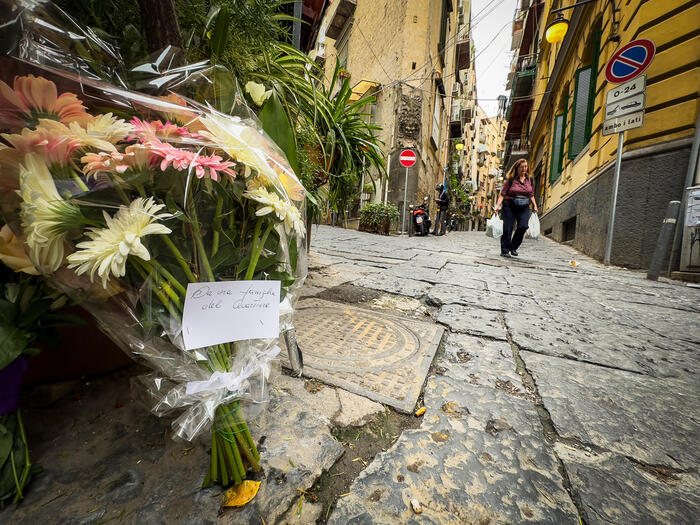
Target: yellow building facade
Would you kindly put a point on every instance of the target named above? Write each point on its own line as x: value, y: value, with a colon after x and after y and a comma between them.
x: 557, y: 113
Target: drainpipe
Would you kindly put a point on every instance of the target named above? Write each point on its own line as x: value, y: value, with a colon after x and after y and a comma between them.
x: 674, y: 261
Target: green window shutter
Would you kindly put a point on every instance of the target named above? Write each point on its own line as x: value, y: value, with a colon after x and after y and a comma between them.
x: 594, y: 86
x: 557, y: 147
x: 581, y: 109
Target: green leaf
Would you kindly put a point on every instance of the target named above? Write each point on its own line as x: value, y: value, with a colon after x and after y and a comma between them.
x: 220, y: 33
x: 12, y: 343
x: 274, y: 120
x: 8, y: 312
x: 34, y: 312
x: 211, y: 16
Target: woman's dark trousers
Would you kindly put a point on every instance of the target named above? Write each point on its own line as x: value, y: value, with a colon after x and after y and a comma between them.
x: 511, y: 214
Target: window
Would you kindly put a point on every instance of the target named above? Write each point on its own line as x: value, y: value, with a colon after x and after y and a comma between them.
x: 437, y: 119
x: 579, y: 118
x: 584, y: 102
x: 558, y: 147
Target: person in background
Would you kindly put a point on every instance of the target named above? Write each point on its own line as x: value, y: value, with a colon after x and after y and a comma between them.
x: 516, y: 196
x: 443, y: 202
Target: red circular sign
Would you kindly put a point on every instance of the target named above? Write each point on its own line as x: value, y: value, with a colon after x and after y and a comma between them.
x: 407, y: 158
x: 630, y: 61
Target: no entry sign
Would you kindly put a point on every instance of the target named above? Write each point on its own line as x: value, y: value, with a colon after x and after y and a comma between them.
x: 630, y: 61
x: 407, y: 158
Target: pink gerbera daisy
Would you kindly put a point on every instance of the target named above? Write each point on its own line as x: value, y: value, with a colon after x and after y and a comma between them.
x: 181, y: 160
x: 55, y: 149
x: 144, y: 130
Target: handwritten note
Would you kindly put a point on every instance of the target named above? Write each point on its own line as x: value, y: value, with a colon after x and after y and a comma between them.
x: 227, y: 311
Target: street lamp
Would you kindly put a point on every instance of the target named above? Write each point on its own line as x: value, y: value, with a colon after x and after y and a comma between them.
x: 556, y: 30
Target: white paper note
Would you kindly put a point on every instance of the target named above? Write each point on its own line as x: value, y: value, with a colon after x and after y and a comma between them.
x: 227, y: 311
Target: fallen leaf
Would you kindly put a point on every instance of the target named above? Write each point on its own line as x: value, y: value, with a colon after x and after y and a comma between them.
x: 420, y: 411
x: 241, y: 494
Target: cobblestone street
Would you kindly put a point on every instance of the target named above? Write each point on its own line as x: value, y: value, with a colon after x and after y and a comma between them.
x: 563, y: 391
x: 559, y: 393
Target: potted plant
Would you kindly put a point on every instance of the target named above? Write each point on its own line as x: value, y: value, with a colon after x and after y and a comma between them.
x: 377, y: 218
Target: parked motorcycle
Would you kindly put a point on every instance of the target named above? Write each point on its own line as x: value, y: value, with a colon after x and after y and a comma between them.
x: 420, y: 220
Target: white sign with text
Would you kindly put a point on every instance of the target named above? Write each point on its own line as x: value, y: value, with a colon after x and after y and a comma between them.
x: 226, y: 311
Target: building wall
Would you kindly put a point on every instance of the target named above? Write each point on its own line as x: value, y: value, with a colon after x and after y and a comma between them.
x: 647, y: 183
x: 395, y: 43
x: 672, y: 103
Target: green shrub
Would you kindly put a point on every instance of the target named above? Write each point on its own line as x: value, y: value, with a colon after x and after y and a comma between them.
x: 378, y: 217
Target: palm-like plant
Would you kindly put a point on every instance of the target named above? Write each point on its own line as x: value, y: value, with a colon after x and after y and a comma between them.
x: 348, y: 143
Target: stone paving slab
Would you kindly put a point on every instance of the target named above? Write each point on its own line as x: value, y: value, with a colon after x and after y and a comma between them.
x: 615, y: 490
x: 105, y: 458
x: 481, y: 362
x: 393, y: 284
x: 472, y: 321
x: 479, y: 457
x: 367, y: 352
x: 452, y: 293
x: 652, y: 420
x: 613, y: 346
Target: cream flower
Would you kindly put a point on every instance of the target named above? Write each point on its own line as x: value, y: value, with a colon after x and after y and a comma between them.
x: 283, y: 209
x: 100, y: 132
x: 247, y: 145
x: 257, y: 92
x: 46, y: 217
x: 12, y: 252
x: 107, y: 251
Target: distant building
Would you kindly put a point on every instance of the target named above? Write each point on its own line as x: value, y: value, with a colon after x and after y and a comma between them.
x: 556, y: 113
x: 488, y: 174
x: 417, y: 59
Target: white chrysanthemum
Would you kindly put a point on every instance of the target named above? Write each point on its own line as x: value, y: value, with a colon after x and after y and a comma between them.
x: 107, y: 251
x: 283, y: 209
x: 46, y: 217
x: 101, y: 132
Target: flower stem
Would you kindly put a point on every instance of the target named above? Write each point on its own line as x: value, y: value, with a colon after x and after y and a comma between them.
x: 180, y: 259
x: 257, y: 249
x: 174, y: 282
x: 217, y: 226
x: 79, y: 181
x: 197, y: 234
x: 149, y: 269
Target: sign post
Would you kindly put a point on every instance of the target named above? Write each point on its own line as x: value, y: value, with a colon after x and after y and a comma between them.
x: 407, y: 159
x: 624, y: 107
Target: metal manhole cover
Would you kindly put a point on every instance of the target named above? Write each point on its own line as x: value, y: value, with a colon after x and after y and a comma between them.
x: 370, y: 353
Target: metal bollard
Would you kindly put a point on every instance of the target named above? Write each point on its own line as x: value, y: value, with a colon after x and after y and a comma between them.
x: 664, y: 241
x: 296, y: 360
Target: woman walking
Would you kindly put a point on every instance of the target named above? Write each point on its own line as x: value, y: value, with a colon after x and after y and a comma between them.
x: 515, y: 199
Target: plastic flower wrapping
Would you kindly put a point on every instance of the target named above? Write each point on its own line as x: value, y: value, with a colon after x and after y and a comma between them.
x: 123, y: 200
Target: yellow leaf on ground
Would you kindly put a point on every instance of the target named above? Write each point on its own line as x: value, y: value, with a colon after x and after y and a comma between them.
x: 420, y: 411
x: 241, y: 494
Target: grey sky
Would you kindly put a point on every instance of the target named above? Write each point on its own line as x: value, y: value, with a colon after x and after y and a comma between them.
x: 491, y: 29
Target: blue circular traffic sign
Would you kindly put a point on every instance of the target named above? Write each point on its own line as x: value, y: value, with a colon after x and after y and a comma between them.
x: 630, y: 61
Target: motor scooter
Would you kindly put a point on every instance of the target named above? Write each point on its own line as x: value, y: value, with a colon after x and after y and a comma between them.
x: 420, y: 220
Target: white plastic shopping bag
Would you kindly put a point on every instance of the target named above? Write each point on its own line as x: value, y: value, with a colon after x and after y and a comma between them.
x: 534, y: 226
x: 494, y: 227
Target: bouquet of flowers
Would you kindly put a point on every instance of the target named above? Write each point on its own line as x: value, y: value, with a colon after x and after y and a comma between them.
x: 127, y: 205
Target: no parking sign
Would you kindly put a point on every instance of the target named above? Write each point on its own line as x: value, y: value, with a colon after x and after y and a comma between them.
x: 630, y: 61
